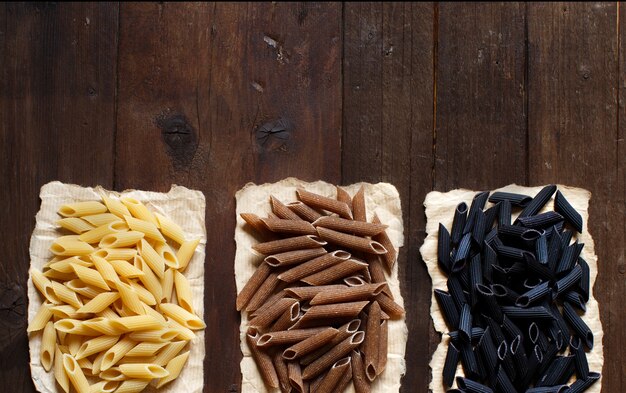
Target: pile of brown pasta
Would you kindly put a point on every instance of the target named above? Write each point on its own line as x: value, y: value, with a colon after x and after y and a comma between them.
x: 319, y: 303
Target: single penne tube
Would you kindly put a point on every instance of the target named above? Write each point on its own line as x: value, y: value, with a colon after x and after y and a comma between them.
x: 133, y: 385
x: 125, y: 269
x: 280, y: 365
x: 75, y: 374
x: 294, y: 257
x: 158, y: 336
x: 65, y: 265
x: 121, y: 239
x: 167, y: 285
x: 96, y: 234
x: 278, y: 294
x: 114, y: 205
x: 96, y: 345
x: 314, y: 265
x: 290, y: 227
x: 281, y: 210
x: 382, y: 238
x: 90, y: 276
x: 43, y: 285
x: 174, y: 367
x: 58, y: 276
x: 258, y: 278
x: 335, y: 272
x: 393, y: 309
x: 262, y: 359
x: 372, y: 341
x: 359, y: 228
x: 144, y: 295
x: 183, y: 291
x: 75, y: 327
x: 116, y: 352
x: 79, y: 209
x: 272, y: 313
x: 287, y: 319
x: 97, y: 220
x: 106, y: 270
x: 185, y: 253
x: 145, y: 349
x: 48, y: 346
x: 287, y: 337
x: 143, y: 370
x: 169, y: 352
x: 351, y: 242
x: 168, y: 255
x: 310, y: 344
x: 66, y: 311
x: 182, y: 332
x: 264, y: 292
x: 75, y: 224
x: 259, y: 227
x: 336, y: 372
x: 59, y: 371
x: 151, y: 311
x: 138, y: 322
x: 139, y: 210
x: 331, y: 311
x: 341, y: 350
x: 104, y: 387
x: 97, y: 363
x: 148, y: 228
x: 103, y: 325
x: 182, y: 316
x: 347, y: 294
x: 39, y: 321
x: 112, y: 374
x: 116, y: 253
x: 304, y: 211
x: 383, y: 344
x: 66, y: 295
x: 358, y: 207
x: 360, y: 380
x: 343, y: 196
x: 149, y: 279
x: 136, y: 360
x: 99, y: 303
x: 295, y: 377
x: 130, y: 298
x: 83, y: 289
x: 170, y: 229
x: 73, y: 343
x: 308, y: 293
x: 151, y: 258
x: 69, y: 246
x: 289, y: 244
x: 322, y: 202
x: 355, y: 281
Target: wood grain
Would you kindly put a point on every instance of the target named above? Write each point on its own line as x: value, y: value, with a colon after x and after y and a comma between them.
x: 57, y: 122
x: 227, y: 94
x: 574, y: 140
x: 387, y: 136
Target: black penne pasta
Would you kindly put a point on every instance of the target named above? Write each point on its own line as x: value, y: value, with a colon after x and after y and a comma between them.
x: 464, y: 279
x: 478, y: 203
x: 549, y: 389
x: 490, y: 216
x: 496, y: 331
x: 488, y: 302
x: 504, y: 294
x: 465, y: 323
x: 462, y: 252
x: 478, y: 232
x: 511, y: 234
x: 535, y: 359
x: 449, y: 366
x: 491, y: 236
x: 448, y: 308
x: 541, y: 249
x: 506, y: 360
x: 554, y: 250
x: 566, y: 238
x: 580, y: 357
x: 575, y: 299
x: 562, y: 206
x: 578, y: 325
x: 568, y: 281
x: 559, y: 371
x: 542, y: 340
x: 515, y: 268
x: 532, y: 282
x: 569, y: 257
x: 541, y: 270
x: 538, y: 202
x: 475, y: 277
x: 472, y: 386
x: 468, y: 359
x: 519, y: 356
x: 508, y: 252
x: 580, y: 385
x: 458, y: 223
x: 583, y: 285
x: 504, y: 215
x: 456, y: 291
x: 489, y: 258
x: 503, y: 382
x: 533, y: 332
x: 548, y: 356
x: 537, y: 293
x: 518, y: 200
x: 556, y: 227
x: 557, y: 337
x: 542, y: 220
x: 443, y: 249
x: 488, y: 352
x: 530, y: 313
x: 558, y: 319
x: 510, y: 328
x: 500, y: 275
x: 477, y: 333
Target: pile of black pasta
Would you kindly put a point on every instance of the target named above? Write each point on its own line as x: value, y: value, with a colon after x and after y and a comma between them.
x: 515, y: 290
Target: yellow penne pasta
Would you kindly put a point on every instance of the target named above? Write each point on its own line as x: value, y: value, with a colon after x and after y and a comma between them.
x: 75, y: 224
x: 96, y: 345
x: 104, y: 387
x: 159, y: 336
x: 114, y: 205
x: 138, y: 322
x: 121, y: 239
x: 61, y: 337
x: 41, y: 318
x: 130, y: 298
x: 96, y: 234
x: 169, y: 257
x: 99, y: 303
x: 65, y: 265
x: 59, y: 371
x: 139, y: 210
x: 66, y: 295
x: 143, y: 370
x: 169, y: 352
x: 90, y: 276
x: 145, y: 349
x: 69, y: 246
x: 83, y: 289
x: 122, y: 309
x: 183, y: 332
x: 144, y: 295
x: 44, y: 285
x: 75, y: 327
x: 183, y: 291
x: 63, y: 311
x: 125, y: 268
x: 98, y: 220
x: 170, y: 229
x: 97, y: 364
x: 185, y: 253
x: 85, y: 364
x: 108, y: 313
x: 149, y: 279
x: 116, y: 253
x: 103, y: 325
x: 136, y: 359
x: 73, y: 343
x: 151, y: 258
x: 133, y: 386
x: 48, y: 346
x: 112, y: 374
x: 154, y: 313
x: 148, y: 228
x: 58, y: 276
x: 167, y: 285
x: 174, y: 367
x: 106, y: 270
x: 116, y: 352
x: 79, y: 209
x: 182, y: 316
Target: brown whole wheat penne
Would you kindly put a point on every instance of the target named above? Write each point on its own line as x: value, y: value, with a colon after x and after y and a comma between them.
x: 258, y: 225
x: 313, y: 266
x: 295, y: 377
x: 322, y: 202
x: 290, y: 227
x: 335, y: 272
x: 343, y: 196
x: 358, y: 205
x: 383, y: 347
x: 282, y: 372
x: 383, y: 238
x: 294, y: 257
x: 272, y: 313
x: 377, y: 271
x: 304, y: 211
x: 287, y: 319
x: 344, y: 332
x: 263, y: 361
x: 359, y: 228
x: 340, y: 350
x: 335, y: 373
x: 315, y: 383
x: 253, y: 284
x: 265, y: 291
x: 350, y: 294
x: 359, y: 379
x: 393, y: 309
x: 308, y: 293
x: 331, y: 311
x: 310, y: 344
x: 351, y: 242
x: 345, y: 380
x: 289, y: 244
x: 372, y: 341
x: 269, y: 302
x: 281, y: 210
x: 355, y: 281
x: 287, y: 336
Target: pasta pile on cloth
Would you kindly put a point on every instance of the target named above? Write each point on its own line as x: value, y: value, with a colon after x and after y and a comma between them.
x: 517, y: 284
x: 318, y: 305
x: 118, y: 311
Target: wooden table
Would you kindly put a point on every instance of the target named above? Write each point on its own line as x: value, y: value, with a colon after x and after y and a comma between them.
x: 212, y: 96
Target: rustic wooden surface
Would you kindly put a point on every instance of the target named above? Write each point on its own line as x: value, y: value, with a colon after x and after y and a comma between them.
x: 211, y: 96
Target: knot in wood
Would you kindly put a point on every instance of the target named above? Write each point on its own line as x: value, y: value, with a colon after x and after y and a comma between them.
x: 180, y: 138
x: 274, y: 135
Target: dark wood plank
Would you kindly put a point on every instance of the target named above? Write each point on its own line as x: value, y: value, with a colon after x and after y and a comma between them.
x: 57, y: 122
x: 481, y: 123
x: 387, y: 136
x: 574, y: 139
x: 216, y: 95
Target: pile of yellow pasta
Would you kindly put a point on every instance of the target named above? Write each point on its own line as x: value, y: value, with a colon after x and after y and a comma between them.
x: 117, y: 306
